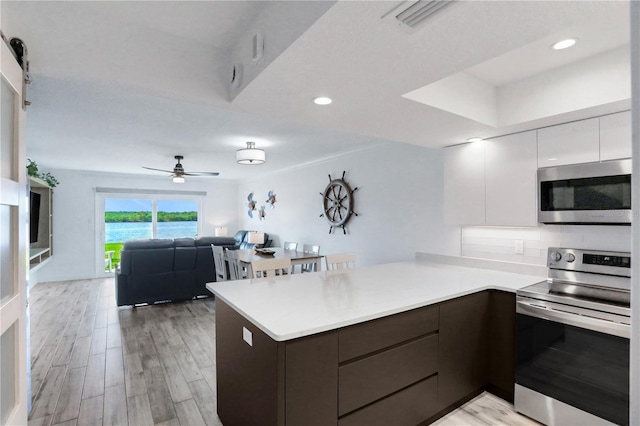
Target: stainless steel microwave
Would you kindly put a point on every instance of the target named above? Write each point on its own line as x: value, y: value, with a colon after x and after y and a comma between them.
x: 590, y: 193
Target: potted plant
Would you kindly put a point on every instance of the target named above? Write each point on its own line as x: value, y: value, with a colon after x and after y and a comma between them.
x: 32, y: 170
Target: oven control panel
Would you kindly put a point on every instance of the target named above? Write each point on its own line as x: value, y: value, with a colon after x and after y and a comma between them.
x: 605, y: 262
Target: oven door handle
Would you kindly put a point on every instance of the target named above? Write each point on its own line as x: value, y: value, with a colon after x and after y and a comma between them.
x: 574, y: 319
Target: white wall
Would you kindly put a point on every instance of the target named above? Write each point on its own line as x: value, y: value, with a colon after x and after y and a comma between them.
x: 498, y: 243
x: 399, y: 202
x: 74, y: 216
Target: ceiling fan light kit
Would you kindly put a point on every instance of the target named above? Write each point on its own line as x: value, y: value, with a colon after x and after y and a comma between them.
x: 250, y: 155
x: 178, y: 173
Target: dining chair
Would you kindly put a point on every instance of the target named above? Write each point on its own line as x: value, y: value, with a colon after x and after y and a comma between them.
x: 270, y: 267
x: 236, y: 271
x: 288, y: 245
x: 340, y: 261
x: 309, y: 249
x: 219, y: 263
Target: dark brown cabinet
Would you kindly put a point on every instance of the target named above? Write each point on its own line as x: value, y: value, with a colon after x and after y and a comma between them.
x: 501, y: 337
x: 402, y: 369
x: 477, y: 347
x: 463, y: 347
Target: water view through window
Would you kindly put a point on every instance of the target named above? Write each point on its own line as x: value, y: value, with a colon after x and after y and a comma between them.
x: 133, y: 219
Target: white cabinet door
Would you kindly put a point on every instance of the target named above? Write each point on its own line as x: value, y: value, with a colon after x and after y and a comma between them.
x: 510, y: 176
x: 570, y: 143
x: 615, y: 136
x: 464, y: 198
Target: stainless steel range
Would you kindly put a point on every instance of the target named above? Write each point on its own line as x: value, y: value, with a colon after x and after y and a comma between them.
x: 572, y: 357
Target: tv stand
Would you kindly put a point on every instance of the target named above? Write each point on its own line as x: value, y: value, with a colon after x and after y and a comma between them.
x: 41, y: 248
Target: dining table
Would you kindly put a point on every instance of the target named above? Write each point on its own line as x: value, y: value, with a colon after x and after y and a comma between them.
x: 245, y: 257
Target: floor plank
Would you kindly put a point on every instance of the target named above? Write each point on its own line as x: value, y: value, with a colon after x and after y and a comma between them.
x: 139, y: 410
x: 80, y: 354
x: 94, y: 378
x: 134, y: 375
x: 205, y: 399
x: 68, y: 406
x: 162, y: 408
x: 91, y: 411
x: 115, y: 406
x: 45, y: 404
x: 188, y: 413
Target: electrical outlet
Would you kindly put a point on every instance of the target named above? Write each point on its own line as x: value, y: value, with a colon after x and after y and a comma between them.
x: 518, y: 247
x: 247, y: 336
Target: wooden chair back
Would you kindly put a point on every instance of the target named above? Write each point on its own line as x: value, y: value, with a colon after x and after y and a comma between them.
x: 270, y: 267
x: 219, y: 263
x: 235, y: 269
x: 312, y: 249
x: 340, y: 261
x: 288, y: 245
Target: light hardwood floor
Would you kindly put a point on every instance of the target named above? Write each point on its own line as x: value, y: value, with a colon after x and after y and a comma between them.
x: 96, y: 364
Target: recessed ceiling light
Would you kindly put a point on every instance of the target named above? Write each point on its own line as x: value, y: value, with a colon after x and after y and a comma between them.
x: 322, y: 100
x: 474, y: 139
x: 563, y: 44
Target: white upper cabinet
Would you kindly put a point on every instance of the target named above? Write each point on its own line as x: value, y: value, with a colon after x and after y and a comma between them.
x: 615, y: 136
x: 464, y: 199
x: 493, y: 182
x: 510, y: 176
x: 571, y: 143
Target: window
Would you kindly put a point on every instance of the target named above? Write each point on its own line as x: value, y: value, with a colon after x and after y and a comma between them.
x: 140, y: 216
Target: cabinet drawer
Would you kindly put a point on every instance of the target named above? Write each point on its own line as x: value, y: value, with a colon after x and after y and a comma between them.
x: 374, y: 335
x: 410, y: 406
x: 369, y: 379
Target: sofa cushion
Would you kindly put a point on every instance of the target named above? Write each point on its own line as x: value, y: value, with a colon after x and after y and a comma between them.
x: 147, y: 262
x: 154, y: 243
x: 184, y: 242
x: 185, y: 259
x: 216, y: 241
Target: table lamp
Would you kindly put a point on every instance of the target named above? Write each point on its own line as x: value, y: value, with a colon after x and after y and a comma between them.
x: 220, y: 231
x: 256, y: 237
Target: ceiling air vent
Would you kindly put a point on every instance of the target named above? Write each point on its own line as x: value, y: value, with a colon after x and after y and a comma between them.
x: 408, y: 15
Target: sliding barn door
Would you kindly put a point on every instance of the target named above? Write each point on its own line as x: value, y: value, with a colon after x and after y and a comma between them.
x: 13, y: 244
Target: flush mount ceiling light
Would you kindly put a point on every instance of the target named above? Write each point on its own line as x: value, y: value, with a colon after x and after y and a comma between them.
x: 322, y: 100
x: 250, y: 155
x: 474, y: 139
x: 563, y: 44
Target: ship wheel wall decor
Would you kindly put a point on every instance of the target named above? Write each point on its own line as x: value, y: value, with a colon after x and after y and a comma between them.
x: 337, y: 203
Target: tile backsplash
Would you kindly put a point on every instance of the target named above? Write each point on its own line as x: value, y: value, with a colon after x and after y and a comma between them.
x: 496, y: 243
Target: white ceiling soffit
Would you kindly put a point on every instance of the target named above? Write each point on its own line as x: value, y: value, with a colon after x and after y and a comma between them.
x: 491, y: 93
x: 410, y: 15
x: 272, y: 32
x: 365, y: 64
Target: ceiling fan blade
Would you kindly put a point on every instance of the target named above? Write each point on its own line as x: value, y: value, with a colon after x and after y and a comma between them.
x: 158, y: 170
x: 201, y: 174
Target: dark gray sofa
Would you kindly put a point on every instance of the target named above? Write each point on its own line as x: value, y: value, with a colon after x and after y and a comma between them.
x: 158, y: 270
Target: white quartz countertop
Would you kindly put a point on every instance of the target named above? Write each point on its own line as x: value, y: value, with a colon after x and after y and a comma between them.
x: 300, y: 305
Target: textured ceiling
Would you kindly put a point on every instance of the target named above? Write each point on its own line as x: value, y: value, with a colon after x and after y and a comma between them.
x: 120, y: 85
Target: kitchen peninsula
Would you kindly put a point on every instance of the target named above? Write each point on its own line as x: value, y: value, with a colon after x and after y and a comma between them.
x: 402, y: 342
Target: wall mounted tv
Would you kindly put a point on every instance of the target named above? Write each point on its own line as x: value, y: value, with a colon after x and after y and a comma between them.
x: 34, y: 216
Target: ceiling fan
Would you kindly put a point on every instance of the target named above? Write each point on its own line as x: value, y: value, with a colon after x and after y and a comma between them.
x: 178, y: 172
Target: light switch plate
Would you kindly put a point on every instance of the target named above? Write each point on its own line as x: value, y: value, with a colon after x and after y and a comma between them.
x: 247, y: 336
